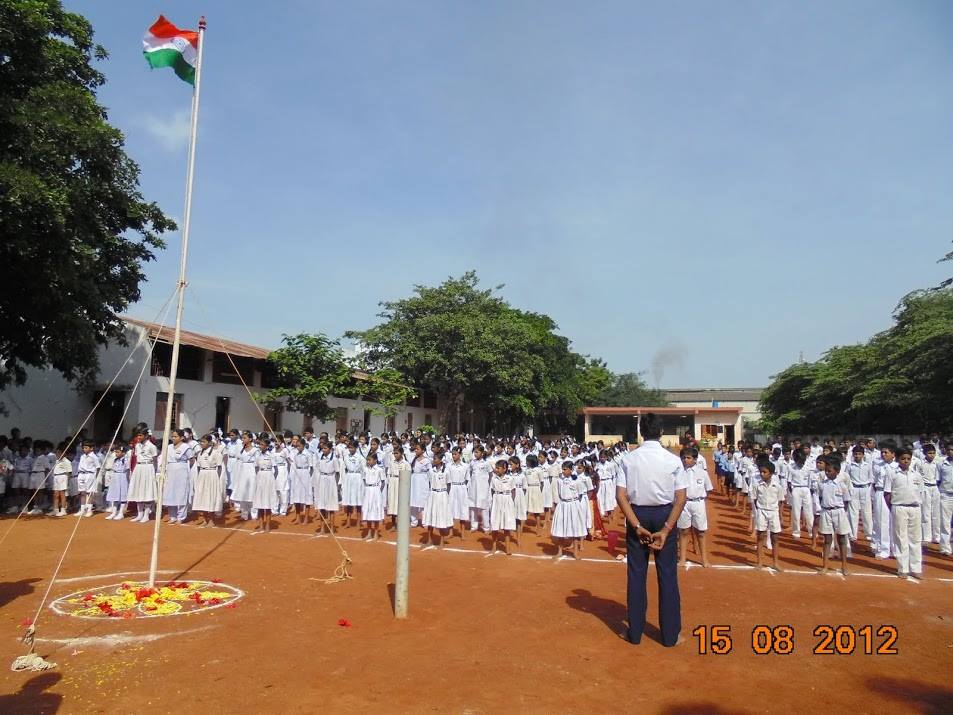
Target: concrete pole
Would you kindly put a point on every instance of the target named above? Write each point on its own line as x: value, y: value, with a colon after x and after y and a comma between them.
x: 402, y: 570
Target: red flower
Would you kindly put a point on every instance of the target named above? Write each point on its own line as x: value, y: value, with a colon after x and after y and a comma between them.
x: 128, y: 614
x: 344, y: 623
x: 216, y: 580
x: 88, y: 597
x: 231, y: 605
x: 26, y: 622
x: 214, y: 601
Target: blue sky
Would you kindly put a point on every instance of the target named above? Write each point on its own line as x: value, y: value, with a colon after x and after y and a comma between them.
x: 709, y: 188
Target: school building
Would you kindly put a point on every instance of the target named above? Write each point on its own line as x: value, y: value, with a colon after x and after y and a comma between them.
x: 208, y: 392
x: 747, y: 398
x: 706, y: 424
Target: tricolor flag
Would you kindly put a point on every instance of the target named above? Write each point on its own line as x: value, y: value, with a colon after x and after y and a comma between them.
x: 165, y: 45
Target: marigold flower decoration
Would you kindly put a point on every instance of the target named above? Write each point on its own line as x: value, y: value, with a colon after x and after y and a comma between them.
x: 131, y: 599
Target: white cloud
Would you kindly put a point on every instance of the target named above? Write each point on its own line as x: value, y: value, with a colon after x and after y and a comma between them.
x: 171, y: 132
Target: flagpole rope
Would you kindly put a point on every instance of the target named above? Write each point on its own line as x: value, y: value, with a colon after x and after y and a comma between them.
x: 102, y: 397
x: 342, y: 572
x: 32, y: 661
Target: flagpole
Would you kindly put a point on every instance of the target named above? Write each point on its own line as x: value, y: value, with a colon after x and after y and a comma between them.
x: 183, y: 262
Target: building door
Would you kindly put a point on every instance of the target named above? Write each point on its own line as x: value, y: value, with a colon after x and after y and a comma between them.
x: 108, y: 415
x: 223, y: 407
x: 729, y: 434
x: 340, y: 419
x: 367, y: 420
x: 162, y: 399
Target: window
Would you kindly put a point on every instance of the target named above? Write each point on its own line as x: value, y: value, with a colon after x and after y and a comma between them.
x: 222, y: 410
x: 410, y: 421
x: 340, y: 419
x: 222, y: 370
x: 273, y: 417
x: 430, y: 401
x: 710, y: 431
x: 269, y: 376
x: 307, y: 424
x: 428, y: 419
x: 367, y: 420
x: 162, y: 399
x: 413, y: 401
x: 191, y: 362
x: 390, y: 424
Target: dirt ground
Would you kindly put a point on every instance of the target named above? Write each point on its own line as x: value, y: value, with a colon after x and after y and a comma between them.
x: 486, y: 635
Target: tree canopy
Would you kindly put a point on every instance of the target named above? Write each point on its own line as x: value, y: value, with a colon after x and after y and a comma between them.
x: 900, y: 381
x: 311, y: 368
x: 466, y: 343
x: 629, y: 390
x: 74, y: 228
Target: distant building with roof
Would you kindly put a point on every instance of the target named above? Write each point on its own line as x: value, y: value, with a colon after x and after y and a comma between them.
x: 706, y: 423
x: 747, y: 398
x: 208, y: 392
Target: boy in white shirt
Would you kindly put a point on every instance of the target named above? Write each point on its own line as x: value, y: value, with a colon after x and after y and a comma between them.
x: 929, y: 495
x: 833, y: 496
x: 768, y: 494
x: 902, y: 488
x: 694, y: 517
x: 86, y: 479
x: 62, y: 471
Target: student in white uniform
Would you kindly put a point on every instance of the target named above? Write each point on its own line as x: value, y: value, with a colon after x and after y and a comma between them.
x: 767, y: 519
x: 945, y: 487
x: 20, y: 485
x: 880, y: 460
x: 695, y: 515
x: 902, y: 488
x: 86, y: 478
x: 62, y: 471
x: 479, y: 490
x: 534, y: 476
x: 515, y: 467
x: 372, y: 503
x: 419, y: 484
x: 458, y: 473
x: 929, y: 496
x: 263, y: 499
x: 282, y: 450
x: 606, y: 468
x: 116, y: 495
x: 302, y: 484
x: 859, y: 507
x: 834, y: 496
x: 209, y: 495
x: 436, y: 514
x: 398, y: 468
x: 326, y: 488
x: 802, y: 506
x: 568, y: 527
x: 39, y: 470
x: 352, y: 483
x: 502, y: 507
x: 243, y: 477
x: 175, y: 492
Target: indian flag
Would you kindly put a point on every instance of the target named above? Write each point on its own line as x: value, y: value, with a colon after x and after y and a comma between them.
x: 165, y: 45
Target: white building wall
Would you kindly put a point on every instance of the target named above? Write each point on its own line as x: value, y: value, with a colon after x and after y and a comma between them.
x: 750, y: 410
x: 49, y: 407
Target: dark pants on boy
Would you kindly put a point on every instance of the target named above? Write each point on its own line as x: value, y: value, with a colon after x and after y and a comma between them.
x: 666, y: 570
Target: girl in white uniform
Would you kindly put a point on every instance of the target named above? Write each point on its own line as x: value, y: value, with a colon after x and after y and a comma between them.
x: 372, y: 503
x: 534, y: 477
x: 437, y: 509
x: 568, y: 526
x: 282, y: 477
x: 519, y: 494
x: 457, y: 474
x: 302, y: 484
x: 397, y: 469
x: 479, y: 490
x: 419, y: 484
x: 142, y: 483
x: 352, y: 483
x: 263, y: 499
x: 175, y: 492
x: 243, y: 477
x: 118, y: 484
x: 502, y: 508
x: 208, y: 482
x: 326, y: 488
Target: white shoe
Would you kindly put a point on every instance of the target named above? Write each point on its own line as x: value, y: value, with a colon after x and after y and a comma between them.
x: 80, y: 512
x: 12, y: 510
x: 119, y: 516
x: 35, y: 511
x: 88, y: 513
x: 61, y: 512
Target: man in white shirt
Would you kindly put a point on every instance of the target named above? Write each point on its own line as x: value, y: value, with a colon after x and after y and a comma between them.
x: 652, y: 499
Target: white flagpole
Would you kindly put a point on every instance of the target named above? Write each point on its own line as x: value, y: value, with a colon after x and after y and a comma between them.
x: 187, y: 223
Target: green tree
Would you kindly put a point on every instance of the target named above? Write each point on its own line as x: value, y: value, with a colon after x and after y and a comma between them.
x: 312, y: 368
x: 74, y: 229
x: 899, y: 381
x: 466, y: 343
x: 628, y: 389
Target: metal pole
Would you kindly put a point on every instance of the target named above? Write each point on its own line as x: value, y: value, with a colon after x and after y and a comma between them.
x: 183, y: 262
x: 402, y: 570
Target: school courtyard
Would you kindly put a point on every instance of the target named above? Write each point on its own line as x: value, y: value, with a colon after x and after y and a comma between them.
x: 486, y: 634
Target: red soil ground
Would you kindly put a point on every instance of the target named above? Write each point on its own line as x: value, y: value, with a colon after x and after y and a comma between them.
x: 486, y: 635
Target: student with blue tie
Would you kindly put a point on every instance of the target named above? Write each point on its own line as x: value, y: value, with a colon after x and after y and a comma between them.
x: 652, y: 498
